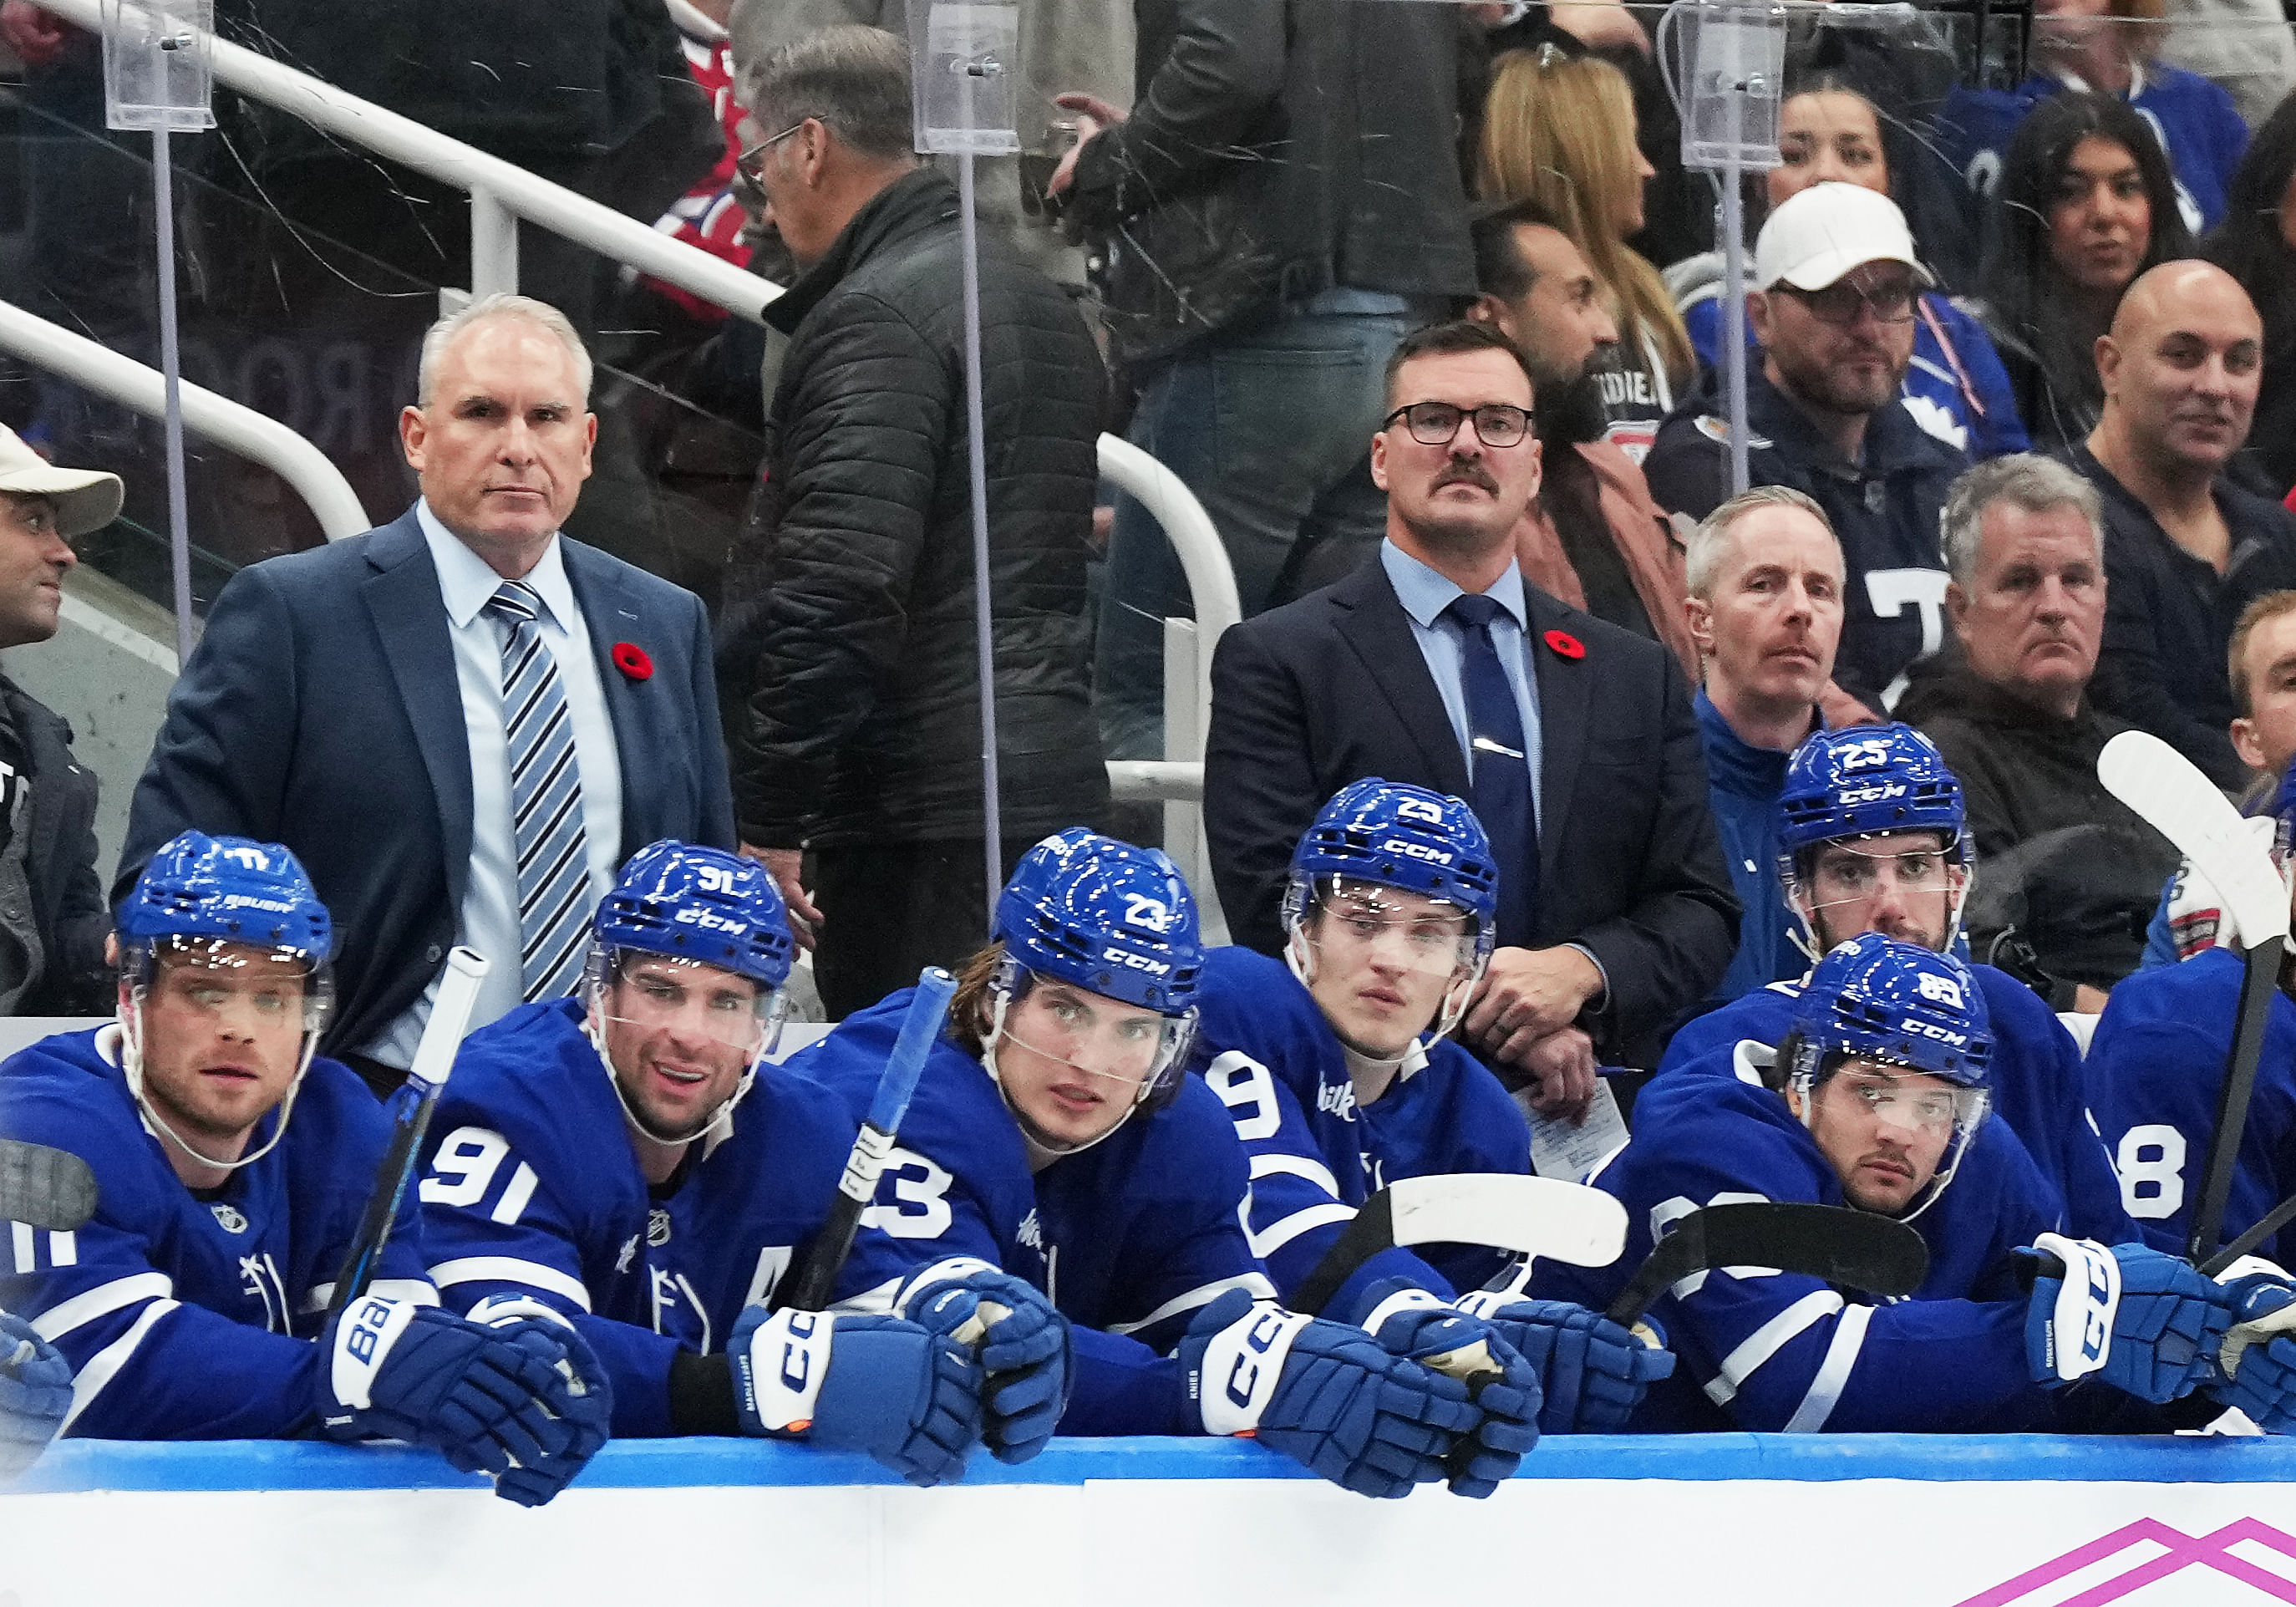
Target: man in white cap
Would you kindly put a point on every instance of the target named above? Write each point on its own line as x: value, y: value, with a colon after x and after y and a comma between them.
x: 1834, y: 307
x: 53, y: 920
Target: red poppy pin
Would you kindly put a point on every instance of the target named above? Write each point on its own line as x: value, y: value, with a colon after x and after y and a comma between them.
x: 1563, y: 644
x: 631, y: 659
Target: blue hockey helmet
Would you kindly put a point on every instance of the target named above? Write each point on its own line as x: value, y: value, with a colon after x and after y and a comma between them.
x: 687, y: 902
x: 1108, y: 917
x: 225, y: 890
x: 1860, y: 781
x: 1392, y: 834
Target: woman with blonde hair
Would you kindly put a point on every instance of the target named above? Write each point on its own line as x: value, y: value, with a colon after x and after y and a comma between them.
x: 1560, y: 130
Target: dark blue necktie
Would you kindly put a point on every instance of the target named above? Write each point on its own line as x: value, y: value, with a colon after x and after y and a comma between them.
x: 1500, y: 779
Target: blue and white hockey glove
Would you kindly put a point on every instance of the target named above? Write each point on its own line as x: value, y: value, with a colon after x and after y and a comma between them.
x: 2139, y: 1320
x: 1023, y: 1343
x: 494, y: 1401
x: 2256, y: 1365
x: 1324, y: 1394
x: 36, y: 1394
x: 1409, y: 1321
x: 583, y: 1402
x: 902, y: 1395
x: 1593, y: 1373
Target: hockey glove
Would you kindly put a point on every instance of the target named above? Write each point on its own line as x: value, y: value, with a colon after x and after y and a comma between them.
x: 2138, y: 1319
x: 908, y: 1397
x: 36, y: 1394
x: 489, y: 1401
x: 1023, y: 1343
x: 584, y: 1400
x: 2257, y: 1362
x: 1409, y: 1321
x: 1323, y: 1394
x: 1593, y: 1373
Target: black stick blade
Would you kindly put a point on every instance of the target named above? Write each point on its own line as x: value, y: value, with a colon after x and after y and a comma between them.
x: 49, y: 1189
x: 1852, y: 1247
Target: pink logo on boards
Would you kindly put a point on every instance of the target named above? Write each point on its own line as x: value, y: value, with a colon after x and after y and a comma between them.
x: 2182, y: 1551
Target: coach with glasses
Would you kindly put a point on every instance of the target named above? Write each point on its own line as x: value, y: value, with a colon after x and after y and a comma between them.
x: 1834, y: 310
x: 1438, y: 666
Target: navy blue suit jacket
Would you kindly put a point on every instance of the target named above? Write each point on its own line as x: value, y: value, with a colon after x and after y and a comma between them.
x: 1332, y: 688
x: 320, y: 710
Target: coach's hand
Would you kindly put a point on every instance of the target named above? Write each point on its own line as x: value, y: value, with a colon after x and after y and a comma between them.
x: 786, y: 865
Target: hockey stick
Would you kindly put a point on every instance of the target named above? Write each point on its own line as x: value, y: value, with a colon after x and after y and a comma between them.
x: 48, y: 1189
x: 2165, y: 791
x: 1878, y: 1255
x: 816, y: 1279
x: 434, y: 1059
x: 1531, y: 1216
x: 2280, y: 1216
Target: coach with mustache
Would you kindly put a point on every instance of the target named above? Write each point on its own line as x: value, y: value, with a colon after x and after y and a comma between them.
x: 1438, y: 665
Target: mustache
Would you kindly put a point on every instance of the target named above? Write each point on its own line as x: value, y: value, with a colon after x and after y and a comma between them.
x: 1465, y: 473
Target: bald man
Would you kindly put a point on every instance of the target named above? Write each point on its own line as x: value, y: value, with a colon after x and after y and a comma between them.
x: 2185, y: 549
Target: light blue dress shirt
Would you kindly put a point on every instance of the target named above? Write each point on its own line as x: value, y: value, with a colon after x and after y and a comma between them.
x: 488, y: 921
x: 1424, y: 594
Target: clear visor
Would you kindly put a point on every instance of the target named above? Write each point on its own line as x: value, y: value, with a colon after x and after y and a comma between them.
x: 1922, y: 1107
x: 232, y: 982
x: 692, y: 1001
x: 1358, y: 922
x: 1123, y: 1048
x: 1860, y: 870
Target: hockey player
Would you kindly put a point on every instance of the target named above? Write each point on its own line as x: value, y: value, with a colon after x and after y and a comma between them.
x: 627, y: 1159
x: 1872, y: 1100
x: 1871, y: 838
x: 35, y: 1395
x: 1335, y: 1066
x: 234, y: 1169
x: 1056, y: 1132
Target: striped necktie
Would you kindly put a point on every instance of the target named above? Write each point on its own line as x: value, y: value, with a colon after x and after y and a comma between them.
x: 546, y: 790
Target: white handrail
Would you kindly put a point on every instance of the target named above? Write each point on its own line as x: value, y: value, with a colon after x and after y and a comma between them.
x: 472, y: 171
x: 1211, y: 578
x: 219, y: 419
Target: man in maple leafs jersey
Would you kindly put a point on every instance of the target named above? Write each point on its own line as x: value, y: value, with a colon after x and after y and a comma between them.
x: 233, y: 1168
x: 629, y: 1159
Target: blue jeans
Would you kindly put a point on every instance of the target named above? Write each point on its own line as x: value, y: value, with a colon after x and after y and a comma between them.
x: 1270, y: 426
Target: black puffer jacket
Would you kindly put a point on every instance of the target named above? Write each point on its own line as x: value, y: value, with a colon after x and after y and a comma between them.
x: 849, y: 617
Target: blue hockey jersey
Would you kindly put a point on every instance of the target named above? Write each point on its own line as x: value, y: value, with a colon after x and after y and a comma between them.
x: 1765, y: 1351
x: 2155, y: 1070
x: 1264, y: 1047
x: 183, y: 1316
x: 2038, y: 1082
x: 530, y: 1187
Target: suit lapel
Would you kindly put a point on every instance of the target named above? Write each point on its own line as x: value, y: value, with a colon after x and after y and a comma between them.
x: 1564, y: 695
x: 410, y: 620
x: 1373, y: 624
x: 612, y: 614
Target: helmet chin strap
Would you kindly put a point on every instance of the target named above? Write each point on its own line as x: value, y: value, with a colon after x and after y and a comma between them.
x: 724, y: 1115
x: 1058, y: 1149
x: 131, y: 1063
x: 1300, y: 961
x: 1805, y: 1087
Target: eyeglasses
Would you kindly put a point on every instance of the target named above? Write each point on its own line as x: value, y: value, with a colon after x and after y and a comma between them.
x: 750, y: 162
x: 1437, y: 423
x: 1838, y: 303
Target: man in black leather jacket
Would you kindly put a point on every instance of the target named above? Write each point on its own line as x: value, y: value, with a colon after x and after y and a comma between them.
x: 850, y: 612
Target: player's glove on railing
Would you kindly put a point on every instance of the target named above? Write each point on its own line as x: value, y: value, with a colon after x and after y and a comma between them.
x: 2135, y: 1318
x: 523, y: 1398
x: 36, y: 1394
x: 1411, y: 1322
x: 1324, y: 1394
x: 905, y: 1397
x: 1023, y: 1343
x: 1592, y: 1373
x: 584, y: 1405
x: 2256, y: 1364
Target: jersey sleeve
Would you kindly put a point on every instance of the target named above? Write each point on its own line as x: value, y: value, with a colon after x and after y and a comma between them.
x: 2043, y: 1087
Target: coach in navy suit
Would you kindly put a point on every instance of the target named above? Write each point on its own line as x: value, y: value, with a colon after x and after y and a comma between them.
x: 349, y: 702
x: 1616, y: 915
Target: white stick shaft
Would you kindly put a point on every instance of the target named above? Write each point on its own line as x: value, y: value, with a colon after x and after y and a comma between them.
x: 450, y: 1016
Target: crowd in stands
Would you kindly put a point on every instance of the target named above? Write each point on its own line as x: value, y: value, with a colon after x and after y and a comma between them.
x: 1411, y: 299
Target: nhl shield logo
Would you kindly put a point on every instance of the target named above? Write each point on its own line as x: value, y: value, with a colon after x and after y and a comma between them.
x: 658, y: 1226
x: 229, y: 1220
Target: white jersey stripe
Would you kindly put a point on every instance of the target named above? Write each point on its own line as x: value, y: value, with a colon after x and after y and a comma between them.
x: 1279, y: 1234
x: 1295, y: 1166
x: 415, y: 1292
x: 106, y: 1363
x: 101, y: 1301
x: 510, y: 1269
x: 1826, y: 1388
x: 1766, y: 1341
x: 1203, y: 1294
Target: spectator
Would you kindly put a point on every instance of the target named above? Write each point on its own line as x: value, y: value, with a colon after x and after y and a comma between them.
x: 863, y: 744
x: 2085, y: 205
x: 2066, y: 873
x: 1560, y: 130
x: 1282, y: 205
x: 2246, y: 45
x: 2108, y: 48
x: 2256, y: 244
x: 2186, y: 549
x: 350, y: 702
x: 1836, y: 315
x: 52, y: 917
x: 1766, y: 580
x: 1955, y: 387
x: 1615, y: 914
x: 1593, y: 537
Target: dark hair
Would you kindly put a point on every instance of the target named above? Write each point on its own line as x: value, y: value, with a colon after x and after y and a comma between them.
x: 1499, y: 268
x: 2248, y: 243
x: 1446, y: 340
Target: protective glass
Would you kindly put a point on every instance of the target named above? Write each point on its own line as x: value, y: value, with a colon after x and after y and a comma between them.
x: 1437, y: 423
x: 1360, y: 921
x: 654, y: 993
x: 1859, y: 870
x: 1120, y: 1045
